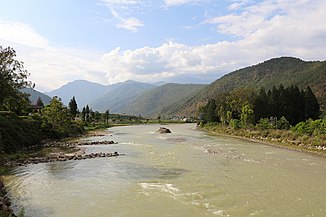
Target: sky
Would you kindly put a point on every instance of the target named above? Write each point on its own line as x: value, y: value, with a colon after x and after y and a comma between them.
x: 182, y: 41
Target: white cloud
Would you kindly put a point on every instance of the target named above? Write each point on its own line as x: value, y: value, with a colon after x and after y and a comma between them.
x: 169, y: 3
x: 50, y: 67
x: 128, y: 23
x: 263, y: 31
x: 131, y: 24
x: 21, y: 33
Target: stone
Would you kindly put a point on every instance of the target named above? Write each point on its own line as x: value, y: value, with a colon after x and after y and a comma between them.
x: 164, y: 130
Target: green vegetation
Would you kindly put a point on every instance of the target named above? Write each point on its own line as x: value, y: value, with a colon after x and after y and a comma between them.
x: 287, y: 116
x: 284, y: 70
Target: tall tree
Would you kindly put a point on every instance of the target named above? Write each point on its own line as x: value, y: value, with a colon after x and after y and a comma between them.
x: 312, y: 109
x: 87, y: 113
x: 84, y: 114
x: 13, y: 76
x: 73, y: 107
x: 210, y: 111
x: 107, y: 115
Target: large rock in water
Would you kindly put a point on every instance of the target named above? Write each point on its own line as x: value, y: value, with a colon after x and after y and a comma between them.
x: 164, y: 130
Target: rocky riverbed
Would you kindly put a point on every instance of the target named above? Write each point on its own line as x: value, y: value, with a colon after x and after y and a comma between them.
x: 78, y: 154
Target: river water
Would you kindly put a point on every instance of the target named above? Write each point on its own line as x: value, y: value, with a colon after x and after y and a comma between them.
x: 186, y: 173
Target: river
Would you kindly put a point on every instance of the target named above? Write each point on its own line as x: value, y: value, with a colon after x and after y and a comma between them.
x: 185, y: 173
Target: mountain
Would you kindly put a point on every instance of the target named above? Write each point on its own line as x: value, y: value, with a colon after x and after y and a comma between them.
x: 84, y: 92
x: 162, y: 100
x: 118, y: 96
x: 34, y: 95
x: 283, y: 70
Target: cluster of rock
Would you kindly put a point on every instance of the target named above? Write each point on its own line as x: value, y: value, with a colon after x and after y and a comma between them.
x: 73, y: 144
x: 59, y: 157
x: 5, y: 202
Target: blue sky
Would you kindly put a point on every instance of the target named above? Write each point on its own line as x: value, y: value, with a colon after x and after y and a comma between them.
x: 197, y: 41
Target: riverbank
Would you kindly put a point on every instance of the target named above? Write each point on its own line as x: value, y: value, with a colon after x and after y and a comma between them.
x: 280, y: 138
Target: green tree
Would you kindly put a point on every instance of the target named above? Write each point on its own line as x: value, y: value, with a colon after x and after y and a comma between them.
x: 312, y: 109
x: 13, y: 76
x: 73, y: 108
x: 40, y: 102
x: 87, y: 113
x: 247, y: 115
x: 107, y: 115
x: 58, y: 121
x: 83, y: 114
x: 210, y: 111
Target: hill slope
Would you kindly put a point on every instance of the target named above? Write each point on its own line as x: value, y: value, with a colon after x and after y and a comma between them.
x: 34, y: 95
x: 84, y: 92
x: 284, y: 70
x: 119, y: 96
x: 162, y: 100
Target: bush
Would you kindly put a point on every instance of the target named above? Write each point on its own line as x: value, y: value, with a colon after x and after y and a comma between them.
x: 310, y: 127
x: 283, y: 124
x: 263, y: 124
x: 235, y: 123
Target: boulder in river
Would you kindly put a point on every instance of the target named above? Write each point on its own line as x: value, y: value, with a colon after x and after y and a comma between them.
x: 164, y: 130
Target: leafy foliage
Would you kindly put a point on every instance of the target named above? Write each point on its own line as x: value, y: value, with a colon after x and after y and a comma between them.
x: 57, y: 121
x: 13, y: 76
x: 311, y: 127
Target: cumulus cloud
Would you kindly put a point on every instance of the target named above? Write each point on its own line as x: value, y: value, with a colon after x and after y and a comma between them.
x: 263, y: 31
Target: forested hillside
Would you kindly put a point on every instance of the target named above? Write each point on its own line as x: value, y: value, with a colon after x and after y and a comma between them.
x: 285, y: 70
x: 162, y: 100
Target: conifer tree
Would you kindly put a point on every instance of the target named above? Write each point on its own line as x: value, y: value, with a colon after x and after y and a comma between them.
x: 312, y: 109
x: 73, y: 107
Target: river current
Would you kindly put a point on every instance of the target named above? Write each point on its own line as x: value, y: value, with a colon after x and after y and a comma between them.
x: 186, y: 173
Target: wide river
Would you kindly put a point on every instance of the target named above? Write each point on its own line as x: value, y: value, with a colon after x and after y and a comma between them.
x: 186, y: 173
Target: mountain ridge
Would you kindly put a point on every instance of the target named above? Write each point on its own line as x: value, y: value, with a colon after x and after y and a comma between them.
x: 282, y: 70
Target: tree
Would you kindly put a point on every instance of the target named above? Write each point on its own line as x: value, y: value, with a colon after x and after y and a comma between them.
x: 13, y: 76
x: 56, y: 117
x: 83, y: 114
x: 107, y: 115
x: 87, y: 113
x: 312, y: 109
x: 58, y: 121
x: 247, y: 115
x: 73, y: 107
x: 210, y: 111
x: 40, y: 102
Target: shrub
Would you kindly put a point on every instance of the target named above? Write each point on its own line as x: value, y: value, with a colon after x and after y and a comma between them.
x: 235, y: 123
x: 283, y: 124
